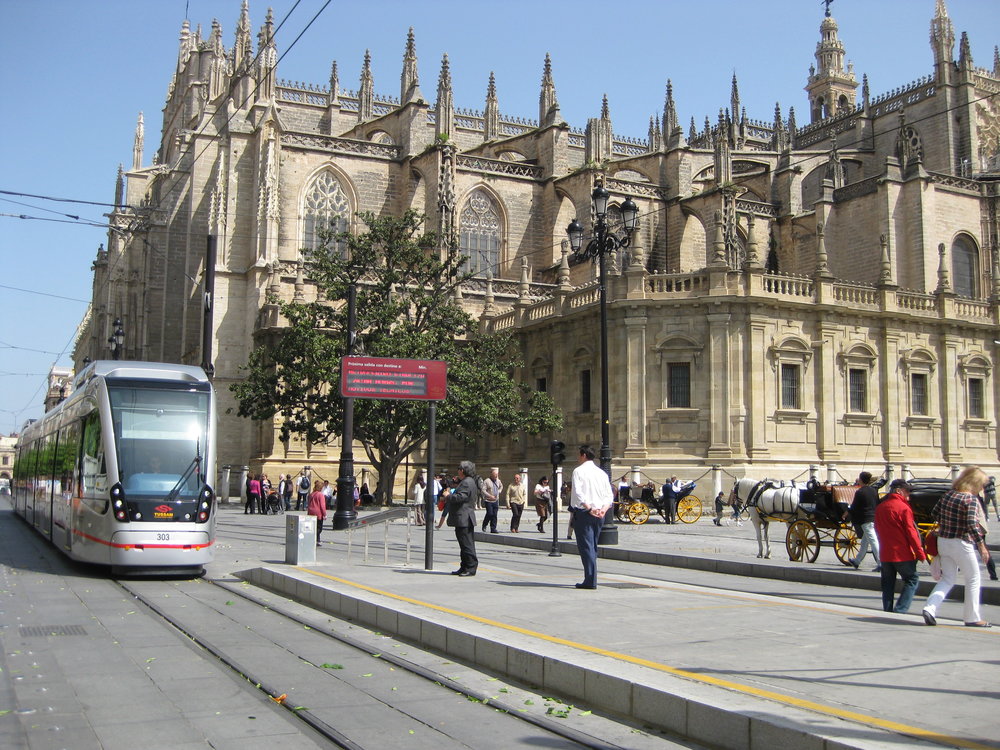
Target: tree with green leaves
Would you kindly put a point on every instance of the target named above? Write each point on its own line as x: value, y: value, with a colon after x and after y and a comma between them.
x: 406, y: 308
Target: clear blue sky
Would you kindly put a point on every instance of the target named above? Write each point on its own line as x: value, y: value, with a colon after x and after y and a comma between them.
x: 75, y: 74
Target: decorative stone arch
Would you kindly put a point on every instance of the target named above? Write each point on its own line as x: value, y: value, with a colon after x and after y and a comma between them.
x: 790, y: 359
x: 564, y: 215
x: 381, y: 136
x: 750, y: 168
x: 417, y: 195
x: 918, y: 365
x: 483, y: 223
x: 856, y: 363
x: 511, y: 155
x: 812, y: 186
x: 632, y: 175
x: 966, y: 266
x: 678, y: 360
x: 328, y: 198
x: 974, y: 370
x: 693, y: 250
x: 703, y: 179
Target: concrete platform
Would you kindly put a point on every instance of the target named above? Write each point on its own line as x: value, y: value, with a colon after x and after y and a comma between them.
x: 722, y: 667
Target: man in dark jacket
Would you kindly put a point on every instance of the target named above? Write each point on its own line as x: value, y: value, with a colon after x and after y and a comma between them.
x: 462, y: 515
x: 862, y: 513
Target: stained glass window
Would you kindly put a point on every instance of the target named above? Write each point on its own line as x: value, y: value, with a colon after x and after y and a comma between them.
x: 480, y: 234
x: 327, y: 208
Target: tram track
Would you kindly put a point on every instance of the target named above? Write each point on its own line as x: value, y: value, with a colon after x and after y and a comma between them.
x: 450, y: 712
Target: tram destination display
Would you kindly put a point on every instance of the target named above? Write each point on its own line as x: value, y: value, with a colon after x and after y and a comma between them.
x: 388, y: 378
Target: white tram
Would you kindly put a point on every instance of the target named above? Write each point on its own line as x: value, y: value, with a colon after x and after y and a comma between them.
x: 121, y: 472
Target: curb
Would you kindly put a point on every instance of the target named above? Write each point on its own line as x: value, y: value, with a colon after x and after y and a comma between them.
x: 704, y: 713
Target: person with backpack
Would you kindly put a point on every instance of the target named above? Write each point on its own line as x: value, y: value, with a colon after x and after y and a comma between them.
x: 302, y: 493
x: 287, y: 487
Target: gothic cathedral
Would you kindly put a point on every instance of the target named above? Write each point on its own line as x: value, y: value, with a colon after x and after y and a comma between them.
x: 824, y: 293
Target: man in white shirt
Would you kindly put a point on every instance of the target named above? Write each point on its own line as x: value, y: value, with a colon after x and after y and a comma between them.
x: 590, y: 499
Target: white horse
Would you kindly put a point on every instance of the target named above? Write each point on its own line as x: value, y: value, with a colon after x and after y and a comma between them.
x: 765, y: 499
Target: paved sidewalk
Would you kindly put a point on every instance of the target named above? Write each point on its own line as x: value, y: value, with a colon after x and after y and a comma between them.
x: 708, y: 661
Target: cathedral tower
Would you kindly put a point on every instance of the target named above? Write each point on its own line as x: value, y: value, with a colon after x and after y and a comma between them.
x: 831, y: 87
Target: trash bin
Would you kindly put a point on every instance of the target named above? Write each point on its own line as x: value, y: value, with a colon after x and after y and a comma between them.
x: 300, y: 538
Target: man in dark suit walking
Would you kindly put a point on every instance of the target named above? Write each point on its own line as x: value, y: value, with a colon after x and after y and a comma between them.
x: 462, y: 515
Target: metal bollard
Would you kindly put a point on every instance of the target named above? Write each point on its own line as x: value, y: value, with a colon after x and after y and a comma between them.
x: 300, y: 538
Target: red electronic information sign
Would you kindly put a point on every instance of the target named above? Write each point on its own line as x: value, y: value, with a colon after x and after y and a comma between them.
x: 382, y: 377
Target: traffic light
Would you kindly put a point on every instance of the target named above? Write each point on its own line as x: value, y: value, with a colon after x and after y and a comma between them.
x: 557, y: 450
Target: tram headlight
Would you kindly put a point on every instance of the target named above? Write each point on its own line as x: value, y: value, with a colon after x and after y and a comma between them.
x: 118, y: 503
x: 206, y: 498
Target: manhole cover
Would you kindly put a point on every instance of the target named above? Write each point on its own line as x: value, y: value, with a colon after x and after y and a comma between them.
x: 37, y: 631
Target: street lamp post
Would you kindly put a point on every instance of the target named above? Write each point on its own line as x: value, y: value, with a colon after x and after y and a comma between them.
x: 604, y: 243
x: 117, y: 339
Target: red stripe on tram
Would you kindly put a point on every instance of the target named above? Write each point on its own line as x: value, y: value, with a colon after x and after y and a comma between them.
x: 116, y: 545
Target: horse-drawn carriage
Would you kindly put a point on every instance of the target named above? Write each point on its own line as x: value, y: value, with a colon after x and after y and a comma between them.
x: 637, y: 510
x: 815, y: 514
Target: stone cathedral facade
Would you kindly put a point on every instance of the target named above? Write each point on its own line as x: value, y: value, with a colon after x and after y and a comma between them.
x: 823, y: 293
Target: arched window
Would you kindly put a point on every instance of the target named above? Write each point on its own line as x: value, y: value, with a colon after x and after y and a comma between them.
x: 326, y: 208
x: 480, y: 237
x: 965, y: 267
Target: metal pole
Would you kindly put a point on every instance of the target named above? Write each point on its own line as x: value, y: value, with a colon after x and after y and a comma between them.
x: 429, y: 498
x: 556, y: 500
x: 211, y: 252
x: 609, y: 532
x: 345, y: 513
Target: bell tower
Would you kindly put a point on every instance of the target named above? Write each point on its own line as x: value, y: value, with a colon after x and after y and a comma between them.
x: 831, y: 87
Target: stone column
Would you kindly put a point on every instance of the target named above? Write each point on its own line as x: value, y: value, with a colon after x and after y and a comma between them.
x: 951, y: 402
x: 892, y: 389
x: 756, y: 383
x: 825, y: 368
x: 718, y: 367
x: 634, y: 375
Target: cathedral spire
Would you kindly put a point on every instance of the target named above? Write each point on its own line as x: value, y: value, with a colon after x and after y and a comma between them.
x: 669, y: 111
x: 548, y: 105
x: 598, y: 137
x: 445, y: 108
x: 780, y: 140
x: 734, y: 96
x: 333, y: 97
x: 942, y: 42
x: 243, y: 46
x: 654, y: 135
x: 692, y: 130
x: 184, y: 46
x: 491, y: 116
x: 996, y: 61
x: 366, y: 91
x: 965, y: 54
x: 267, y: 59
x: 409, y: 85
x: 137, y: 145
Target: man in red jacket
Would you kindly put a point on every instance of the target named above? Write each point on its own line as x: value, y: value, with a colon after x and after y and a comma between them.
x: 899, y: 545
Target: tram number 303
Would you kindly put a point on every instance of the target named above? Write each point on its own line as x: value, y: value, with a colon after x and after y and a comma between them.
x: 163, y: 537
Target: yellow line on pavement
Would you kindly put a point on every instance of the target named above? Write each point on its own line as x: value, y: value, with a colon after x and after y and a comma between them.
x: 891, y: 726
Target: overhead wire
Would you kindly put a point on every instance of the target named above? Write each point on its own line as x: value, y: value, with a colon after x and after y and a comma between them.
x: 547, y: 251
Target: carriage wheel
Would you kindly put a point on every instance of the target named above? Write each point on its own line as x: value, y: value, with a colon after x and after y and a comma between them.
x: 802, y: 541
x: 846, y: 544
x: 689, y: 509
x: 638, y: 513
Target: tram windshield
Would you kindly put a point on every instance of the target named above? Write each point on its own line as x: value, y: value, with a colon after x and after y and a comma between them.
x: 161, y: 436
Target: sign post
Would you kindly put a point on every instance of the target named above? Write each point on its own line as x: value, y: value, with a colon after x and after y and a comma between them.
x: 408, y: 379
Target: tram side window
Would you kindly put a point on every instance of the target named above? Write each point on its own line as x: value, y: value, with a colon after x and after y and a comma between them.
x: 46, y: 468
x: 93, y: 471
x: 69, y: 448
